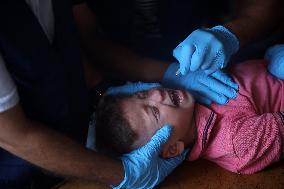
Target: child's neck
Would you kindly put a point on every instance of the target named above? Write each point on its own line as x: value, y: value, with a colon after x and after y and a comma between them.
x: 191, y: 136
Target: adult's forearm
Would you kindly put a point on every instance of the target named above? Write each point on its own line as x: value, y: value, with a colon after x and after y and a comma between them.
x: 125, y: 64
x: 57, y: 153
x: 114, y: 59
x: 255, y: 20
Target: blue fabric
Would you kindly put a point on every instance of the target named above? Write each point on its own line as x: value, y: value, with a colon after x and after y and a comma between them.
x: 49, y: 77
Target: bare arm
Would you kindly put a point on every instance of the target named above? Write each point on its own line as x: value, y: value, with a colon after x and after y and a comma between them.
x: 256, y: 19
x: 114, y: 58
x: 54, y: 152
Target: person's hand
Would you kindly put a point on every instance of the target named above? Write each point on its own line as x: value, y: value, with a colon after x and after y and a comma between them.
x: 275, y: 55
x: 217, y: 87
x: 131, y: 88
x: 144, y: 168
x: 206, y: 49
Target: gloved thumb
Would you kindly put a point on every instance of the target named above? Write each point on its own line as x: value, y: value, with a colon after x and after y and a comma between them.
x: 158, y: 140
x: 183, y: 54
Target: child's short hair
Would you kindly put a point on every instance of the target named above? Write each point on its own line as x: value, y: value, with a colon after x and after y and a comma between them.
x: 113, y: 130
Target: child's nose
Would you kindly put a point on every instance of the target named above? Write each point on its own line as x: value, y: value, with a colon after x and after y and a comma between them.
x: 156, y: 94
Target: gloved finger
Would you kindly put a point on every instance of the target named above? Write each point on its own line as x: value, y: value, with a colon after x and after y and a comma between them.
x: 220, y: 88
x: 131, y: 88
x: 198, y: 57
x: 201, y: 99
x: 183, y: 54
x: 154, y: 146
x: 226, y: 79
x: 212, y: 95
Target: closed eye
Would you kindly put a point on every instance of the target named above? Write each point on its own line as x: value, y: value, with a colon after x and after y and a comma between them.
x: 156, y: 113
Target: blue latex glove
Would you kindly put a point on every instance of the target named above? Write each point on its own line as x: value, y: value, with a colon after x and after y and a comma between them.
x: 143, y: 167
x: 208, y: 49
x: 275, y: 55
x: 131, y: 88
x: 217, y: 87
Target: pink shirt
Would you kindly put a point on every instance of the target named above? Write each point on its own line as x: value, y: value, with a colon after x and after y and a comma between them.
x: 247, y: 134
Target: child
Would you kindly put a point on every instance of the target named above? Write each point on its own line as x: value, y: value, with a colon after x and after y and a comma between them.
x: 243, y: 136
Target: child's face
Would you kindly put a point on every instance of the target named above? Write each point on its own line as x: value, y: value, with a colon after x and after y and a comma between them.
x: 147, y: 111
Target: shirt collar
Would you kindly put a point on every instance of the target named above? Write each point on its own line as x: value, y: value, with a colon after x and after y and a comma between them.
x: 204, y: 121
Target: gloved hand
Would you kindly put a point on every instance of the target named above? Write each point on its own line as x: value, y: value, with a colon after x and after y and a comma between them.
x: 217, y: 87
x: 144, y: 168
x: 131, y: 88
x: 208, y: 49
x: 275, y: 55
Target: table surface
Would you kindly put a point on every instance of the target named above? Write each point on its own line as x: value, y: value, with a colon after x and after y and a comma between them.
x: 202, y: 174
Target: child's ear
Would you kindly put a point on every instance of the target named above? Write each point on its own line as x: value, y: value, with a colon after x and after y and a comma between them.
x: 172, y: 150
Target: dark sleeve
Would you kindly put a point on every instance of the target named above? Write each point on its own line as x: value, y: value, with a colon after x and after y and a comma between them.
x: 75, y: 2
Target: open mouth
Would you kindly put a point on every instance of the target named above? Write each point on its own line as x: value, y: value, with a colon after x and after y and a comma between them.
x: 176, y: 97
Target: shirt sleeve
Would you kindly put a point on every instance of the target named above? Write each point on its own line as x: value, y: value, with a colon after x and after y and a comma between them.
x: 8, y: 92
x: 257, y: 141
